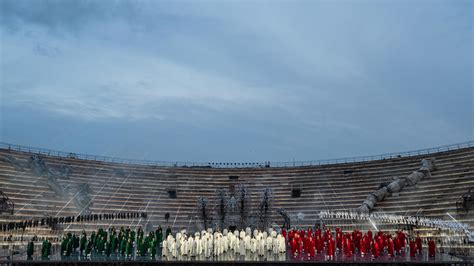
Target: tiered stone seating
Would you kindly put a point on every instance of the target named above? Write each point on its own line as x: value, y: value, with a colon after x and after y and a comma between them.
x: 123, y: 187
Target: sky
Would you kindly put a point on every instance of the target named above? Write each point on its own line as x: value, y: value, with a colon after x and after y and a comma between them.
x: 236, y: 81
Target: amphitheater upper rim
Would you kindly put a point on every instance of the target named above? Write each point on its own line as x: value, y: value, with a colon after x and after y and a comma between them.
x: 354, y: 159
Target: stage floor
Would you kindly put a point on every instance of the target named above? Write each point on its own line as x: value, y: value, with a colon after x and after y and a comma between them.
x: 250, y: 257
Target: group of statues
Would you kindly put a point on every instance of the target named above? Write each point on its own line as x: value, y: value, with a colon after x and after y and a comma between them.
x: 394, y: 186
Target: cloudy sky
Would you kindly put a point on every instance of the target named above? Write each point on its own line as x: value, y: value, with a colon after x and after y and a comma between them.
x: 236, y: 80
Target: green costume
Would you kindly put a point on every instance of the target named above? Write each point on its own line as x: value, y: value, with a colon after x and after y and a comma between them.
x: 143, y: 247
x: 92, y: 239
x: 153, y: 247
x: 168, y: 231
x: 30, y: 249
x: 69, y: 247
x: 123, y: 246
x: 75, y: 242
x: 159, y: 235
x: 88, y: 248
x: 100, y: 245
x: 83, y: 242
x: 45, y: 249
x: 108, y: 249
x: 113, y: 243
x: 129, y: 248
x: 63, y: 245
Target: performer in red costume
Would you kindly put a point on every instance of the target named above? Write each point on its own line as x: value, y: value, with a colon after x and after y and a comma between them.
x: 412, y: 248
x: 339, y: 241
x: 347, y: 247
x: 431, y: 248
x: 398, y: 245
x: 362, y: 249
x: 319, y: 244
x: 333, y: 245
x: 390, y: 247
x: 306, y: 244
x: 330, y: 250
x: 299, y: 244
x: 293, y: 247
x: 375, y: 249
x: 403, y: 241
x: 419, y: 244
x: 312, y: 248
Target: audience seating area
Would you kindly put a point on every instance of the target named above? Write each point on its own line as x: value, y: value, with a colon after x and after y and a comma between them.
x: 122, y: 188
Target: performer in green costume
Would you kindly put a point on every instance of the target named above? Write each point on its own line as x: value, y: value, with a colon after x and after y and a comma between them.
x: 30, y: 249
x: 159, y: 235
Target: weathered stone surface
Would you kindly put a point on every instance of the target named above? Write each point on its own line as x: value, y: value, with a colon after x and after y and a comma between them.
x: 385, y: 188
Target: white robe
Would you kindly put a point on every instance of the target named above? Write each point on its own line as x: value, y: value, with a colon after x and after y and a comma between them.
x: 207, y: 247
x: 225, y: 244
x: 247, y: 242
x: 253, y: 245
x: 282, y: 245
x: 261, y: 246
x: 269, y: 243
x: 174, y: 250
x: 236, y: 244
x: 164, y: 251
x: 190, y: 246
x: 184, y: 247
x: 198, y: 246
x: 242, y: 247
x: 276, y: 245
x: 216, y: 246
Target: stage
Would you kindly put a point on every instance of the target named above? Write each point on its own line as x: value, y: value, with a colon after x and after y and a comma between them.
x: 231, y: 258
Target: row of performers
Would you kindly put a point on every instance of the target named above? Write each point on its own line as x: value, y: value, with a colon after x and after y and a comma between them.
x: 124, y: 242
x: 310, y: 243
x: 209, y: 243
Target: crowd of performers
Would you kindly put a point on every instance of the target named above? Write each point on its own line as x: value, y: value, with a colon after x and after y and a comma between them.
x: 125, y: 242
x: 52, y: 221
x: 129, y: 243
x: 209, y: 243
x: 366, y: 244
x: 396, y: 219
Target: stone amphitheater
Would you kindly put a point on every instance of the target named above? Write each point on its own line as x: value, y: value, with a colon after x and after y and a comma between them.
x: 122, y: 187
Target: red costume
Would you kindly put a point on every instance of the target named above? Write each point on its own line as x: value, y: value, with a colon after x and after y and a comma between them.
x: 412, y: 248
x: 329, y: 251
x: 299, y: 244
x: 347, y: 247
x: 339, y: 241
x: 431, y: 248
x: 375, y: 249
x: 419, y: 244
x: 390, y: 247
x: 398, y: 245
x: 362, y: 249
x: 293, y: 246
x: 319, y: 244
x: 312, y: 249
x: 402, y: 239
x: 369, y: 234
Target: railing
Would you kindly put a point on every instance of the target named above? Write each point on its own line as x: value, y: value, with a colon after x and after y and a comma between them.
x: 356, y: 159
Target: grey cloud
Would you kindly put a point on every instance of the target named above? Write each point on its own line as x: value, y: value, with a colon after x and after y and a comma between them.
x: 316, y: 79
